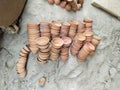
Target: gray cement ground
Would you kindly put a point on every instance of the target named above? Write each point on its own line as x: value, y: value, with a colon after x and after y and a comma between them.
x: 100, y: 72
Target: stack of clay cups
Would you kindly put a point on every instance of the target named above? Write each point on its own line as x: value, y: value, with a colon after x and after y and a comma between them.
x: 64, y: 55
x: 55, y: 29
x: 21, y: 63
x: 45, y: 29
x: 89, y: 36
x: 33, y: 33
x: 64, y: 29
x: 81, y: 27
x: 44, y: 48
x: 85, y: 51
x: 73, y: 29
x: 74, y: 5
x: 88, y: 24
x: 56, y: 45
x: 77, y: 43
x: 68, y: 4
x: 95, y: 41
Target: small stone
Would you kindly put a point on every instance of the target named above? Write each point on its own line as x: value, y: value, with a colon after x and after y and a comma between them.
x: 42, y: 81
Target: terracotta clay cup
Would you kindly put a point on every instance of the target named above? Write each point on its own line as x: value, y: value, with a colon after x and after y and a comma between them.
x: 81, y: 27
x: 73, y: 29
x: 64, y: 52
x: 76, y: 46
x: 24, y: 51
x: 83, y: 53
x: 89, y: 36
x: 74, y: 24
x: 63, y: 4
x: 26, y: 47
x: 79, y: 6
x: 53, y: 56
x: 64, y: 29
x: 41, y: 61
x: 44, y: 27
x: 51, y: 1
x: 33, y: 25
x: 54, y: 36
x: 22, y: 60
x: 95, y: 40
x: 33, y: 33
x: 74, y: 51
x: 46, y: 35
x: 45, y: 30
x: 78, y: 42
x: 21, y: 66
x: 88, y: 29
x: 33, y: 28
x: 67, y: 41
x: 65, y: 25
x: 88, y: 20
x: 64, y: 32
x: 68, y: 7
x: 32, y: 42
x: 41, y: 41
x: 55, y: 29
x: 55, y: 50
x: 23, y: 55
x: 88, y: 25
x: 57, y: 2
x: 45, y: 50
x: 91, y: 47
x: 82, y: 57
x: 80, y: 37
x: 43, y: 47
x: 64, y: 49
x: 81, y: 1
x: 64, y: 58
x: 57, y: 43
x: 72, y: 35
x: 55, y: 25
x: 55, y: 32
x: 96, y: 37
x: 43, y: 56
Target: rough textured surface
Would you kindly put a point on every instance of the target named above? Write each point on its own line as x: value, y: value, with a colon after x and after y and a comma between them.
x: 100, y: 72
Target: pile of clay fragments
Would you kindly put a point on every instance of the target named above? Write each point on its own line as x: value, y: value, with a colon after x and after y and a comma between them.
x: 54, y: 40
x: 68, y: 4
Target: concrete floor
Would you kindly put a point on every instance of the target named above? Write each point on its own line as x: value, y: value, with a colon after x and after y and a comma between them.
x: 100, y: 72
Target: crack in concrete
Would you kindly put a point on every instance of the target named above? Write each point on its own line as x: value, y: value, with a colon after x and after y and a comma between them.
x: 6, y: 50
